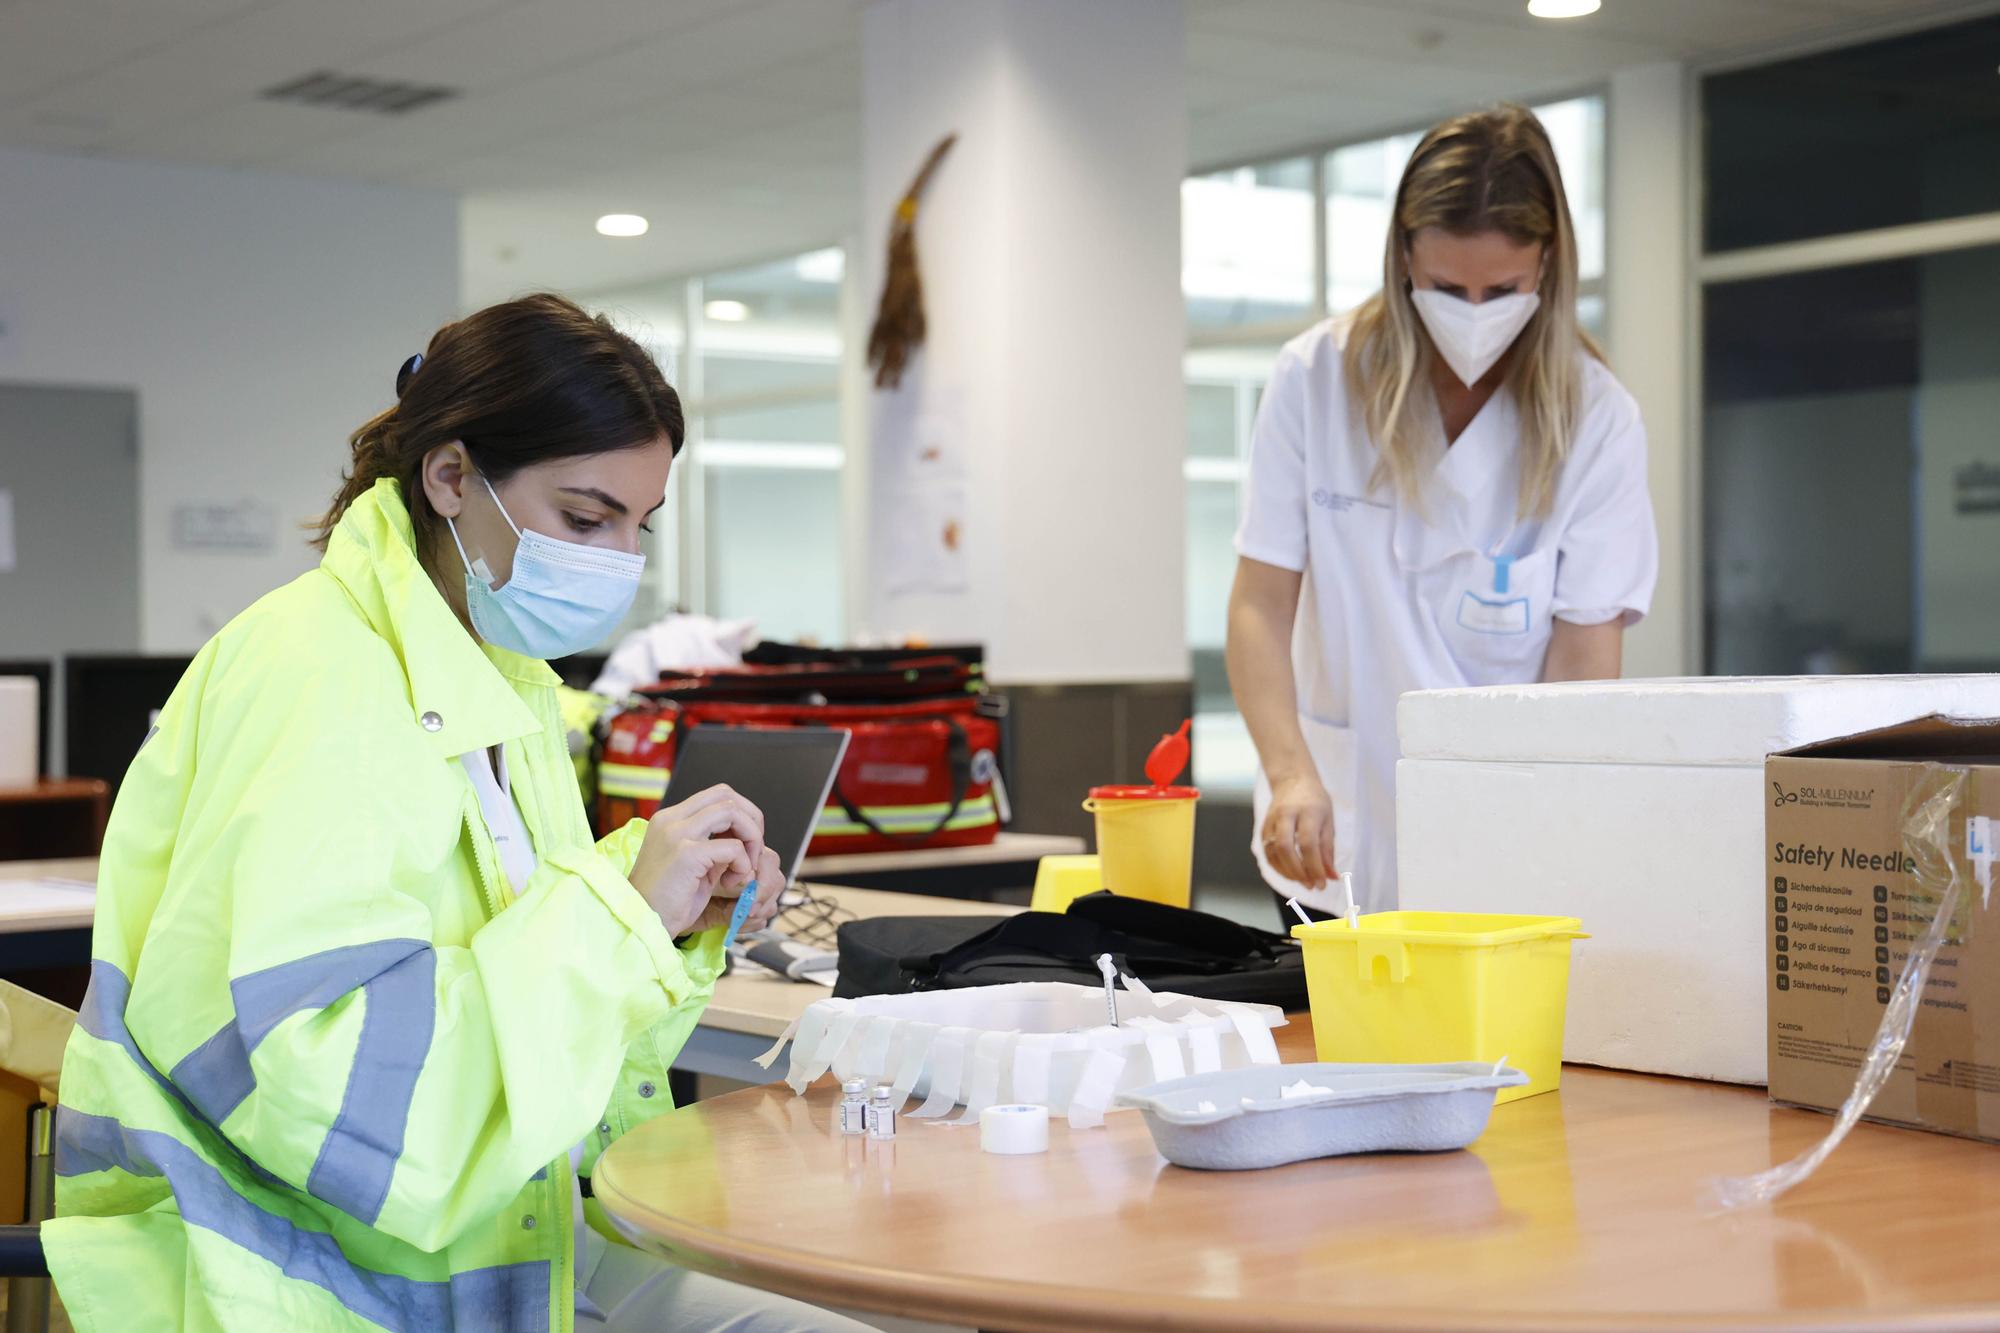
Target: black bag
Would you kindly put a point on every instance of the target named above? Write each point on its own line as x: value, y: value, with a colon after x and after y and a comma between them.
x: 1168, y: 948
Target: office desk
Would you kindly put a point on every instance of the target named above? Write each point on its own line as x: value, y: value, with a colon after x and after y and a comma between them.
x: 750, y: 1010
x: 57, y: 817
x: 1009, y: 862
x: 1576, y: 1210
x: 45, y: 934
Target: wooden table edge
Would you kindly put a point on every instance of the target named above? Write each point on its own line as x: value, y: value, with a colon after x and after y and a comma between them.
x: 1026, y: 1306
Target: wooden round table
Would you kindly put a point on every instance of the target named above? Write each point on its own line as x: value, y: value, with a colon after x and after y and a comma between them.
x: 1579, y: 1209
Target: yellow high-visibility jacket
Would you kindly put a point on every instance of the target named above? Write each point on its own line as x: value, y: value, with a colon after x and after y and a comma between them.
x: 331, y: 1069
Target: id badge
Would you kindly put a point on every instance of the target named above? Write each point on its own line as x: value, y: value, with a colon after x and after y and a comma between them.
x: 1484, y: 615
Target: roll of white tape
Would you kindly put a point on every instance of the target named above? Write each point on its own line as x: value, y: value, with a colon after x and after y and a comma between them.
x: 1014, y: 1130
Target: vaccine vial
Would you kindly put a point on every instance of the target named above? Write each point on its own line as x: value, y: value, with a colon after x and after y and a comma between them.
x: 882, y: 1113
x: 854, y: 1106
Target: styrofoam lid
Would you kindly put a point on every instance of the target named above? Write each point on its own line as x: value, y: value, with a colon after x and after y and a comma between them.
x: 1711, y: 721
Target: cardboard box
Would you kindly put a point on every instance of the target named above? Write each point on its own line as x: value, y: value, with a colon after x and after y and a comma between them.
x: 1847, y: 904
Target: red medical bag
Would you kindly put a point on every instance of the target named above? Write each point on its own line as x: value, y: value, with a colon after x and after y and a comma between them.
x: 922, y: 768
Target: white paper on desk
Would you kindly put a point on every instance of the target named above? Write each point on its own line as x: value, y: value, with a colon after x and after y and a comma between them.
x: 29, y: 897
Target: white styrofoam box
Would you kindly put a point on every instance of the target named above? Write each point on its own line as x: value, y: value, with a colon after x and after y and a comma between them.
x: 20, y: 731
x: 1712, y: 721
x: 1638, y: 807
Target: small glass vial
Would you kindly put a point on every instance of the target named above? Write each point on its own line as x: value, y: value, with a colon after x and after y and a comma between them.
x: 882, y: 1113
x: 854, y: 1106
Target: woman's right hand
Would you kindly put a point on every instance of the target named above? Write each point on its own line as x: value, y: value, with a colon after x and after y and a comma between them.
x: 1298, y: 831
x: 692, y: 851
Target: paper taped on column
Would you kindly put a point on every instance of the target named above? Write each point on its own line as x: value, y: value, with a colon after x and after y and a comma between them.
x: 1040, y: 1043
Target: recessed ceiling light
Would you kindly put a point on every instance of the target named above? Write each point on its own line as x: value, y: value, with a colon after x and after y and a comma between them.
x: 621, y: 224
x: 1563, y: 9
x: 728, y: 312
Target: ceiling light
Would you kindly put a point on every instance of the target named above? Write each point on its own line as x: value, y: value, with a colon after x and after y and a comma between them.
x: 1563, y: 9
x: 820, y: 266
x: 621, y: 224
x: 728, y: 312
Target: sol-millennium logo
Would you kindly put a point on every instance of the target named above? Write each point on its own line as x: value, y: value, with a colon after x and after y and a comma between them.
x: 1822, y: 796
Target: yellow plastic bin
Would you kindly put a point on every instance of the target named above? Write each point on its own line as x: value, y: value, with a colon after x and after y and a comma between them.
x: 1145, y: 841
x: 1441, y: 987
x: 1061, y: 880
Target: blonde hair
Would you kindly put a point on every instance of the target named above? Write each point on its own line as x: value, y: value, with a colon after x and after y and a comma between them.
x: 1492, y: 170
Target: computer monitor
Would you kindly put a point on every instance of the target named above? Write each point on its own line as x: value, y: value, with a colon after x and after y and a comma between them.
x: 44, y: 672
x: 786, y: 774
x: 109, y: 704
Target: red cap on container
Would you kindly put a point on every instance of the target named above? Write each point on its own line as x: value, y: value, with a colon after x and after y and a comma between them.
x: 1169, y: 758
x: 1145, y: 794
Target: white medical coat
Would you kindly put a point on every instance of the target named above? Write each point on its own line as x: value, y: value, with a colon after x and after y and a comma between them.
x: 1459, y: 591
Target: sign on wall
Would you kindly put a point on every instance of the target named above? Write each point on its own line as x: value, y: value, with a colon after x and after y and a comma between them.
x: 247, y: 525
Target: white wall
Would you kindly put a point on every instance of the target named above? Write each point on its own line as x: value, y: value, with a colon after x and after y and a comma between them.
x: 1646, y: 284
x: 1050, y: 246
x: 260, y: 319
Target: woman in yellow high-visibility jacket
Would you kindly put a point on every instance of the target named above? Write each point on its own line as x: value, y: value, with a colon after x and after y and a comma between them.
x: 366, y: 1000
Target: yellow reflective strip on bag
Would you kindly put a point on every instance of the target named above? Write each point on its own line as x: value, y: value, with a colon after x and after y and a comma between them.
x: 976, y: 813
x: 633, y: 781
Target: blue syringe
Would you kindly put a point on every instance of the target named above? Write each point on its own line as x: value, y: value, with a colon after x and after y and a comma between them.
x: 744, y: 902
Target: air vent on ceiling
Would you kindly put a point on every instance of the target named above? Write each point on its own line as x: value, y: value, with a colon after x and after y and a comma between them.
x: 345, y: 92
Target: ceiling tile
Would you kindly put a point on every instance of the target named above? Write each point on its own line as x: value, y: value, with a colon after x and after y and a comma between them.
x: 542, y: 37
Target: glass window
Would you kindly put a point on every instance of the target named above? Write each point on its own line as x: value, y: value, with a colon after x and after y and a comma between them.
x: 1361, y: 184
x: 1851, y: 472
x: 790, y: 587
x: 815, y: 421
x: 1211, y: 419
x: 761, y: 383
x: 1211, y: 537
x: 1897, y: 131
x: 1224, y: 385
x: 769, y: 406
x: 1247, y: 245
x: 655, y: 314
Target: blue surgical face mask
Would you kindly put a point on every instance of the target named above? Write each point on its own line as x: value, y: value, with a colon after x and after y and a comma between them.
x: 562, y: 598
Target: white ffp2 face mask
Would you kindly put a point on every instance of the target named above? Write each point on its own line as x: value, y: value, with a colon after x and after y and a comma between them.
x: 1471, y: 338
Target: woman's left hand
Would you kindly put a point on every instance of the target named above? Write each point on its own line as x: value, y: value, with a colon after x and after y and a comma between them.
x: 770, y: 884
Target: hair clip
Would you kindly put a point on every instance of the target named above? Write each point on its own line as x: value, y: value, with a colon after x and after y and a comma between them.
x: 410, y: 367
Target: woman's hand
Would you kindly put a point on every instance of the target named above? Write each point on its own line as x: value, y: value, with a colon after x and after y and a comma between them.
x: 706, y: 847
x: 721, y: 907
x: 1298, y: 831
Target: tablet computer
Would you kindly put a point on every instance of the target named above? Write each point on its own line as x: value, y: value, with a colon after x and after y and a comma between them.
x: 786, y: 773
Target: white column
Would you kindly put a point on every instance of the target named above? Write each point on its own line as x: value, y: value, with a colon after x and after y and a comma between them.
x: 1043, y: 418
x: 1649, y: 245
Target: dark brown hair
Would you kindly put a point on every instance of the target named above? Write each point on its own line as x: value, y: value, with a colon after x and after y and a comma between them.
x: 534, y: 379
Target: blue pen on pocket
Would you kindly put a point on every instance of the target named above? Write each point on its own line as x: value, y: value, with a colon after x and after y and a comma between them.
x: 744, y: 902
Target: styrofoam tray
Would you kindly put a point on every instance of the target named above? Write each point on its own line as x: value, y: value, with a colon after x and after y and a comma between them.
x: 1365, y: 1108
x: 1042, y: 1043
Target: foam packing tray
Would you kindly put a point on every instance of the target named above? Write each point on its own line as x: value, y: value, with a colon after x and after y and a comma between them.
x: 1034, y: 1042
x: 1240, y: 1119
